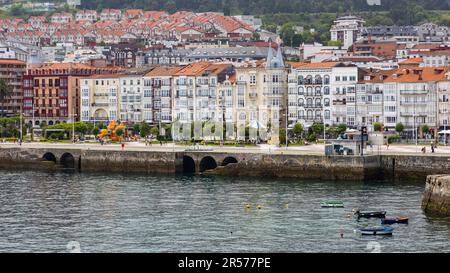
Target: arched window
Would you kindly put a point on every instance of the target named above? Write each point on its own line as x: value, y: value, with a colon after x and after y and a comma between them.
x: 326, y: 79
x: 327, y: 114
x: 301, y: 114
x: 309, y: 115
x: 326, y: 102
x: 301, y: 80
x: 309, y: 91
x: 318, y: 115
x: 318, y: 79
x: 318, y: 91
x: 318, y: 103
x: 309, y: 79
x: 309, y: 102
x: 301, y: 91
x: 326, y: 90
x: 301, y: 102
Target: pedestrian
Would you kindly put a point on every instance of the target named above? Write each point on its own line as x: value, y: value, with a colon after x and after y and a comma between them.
x: 123, y: 146
x: 432, y: 148
x: 424, y: 150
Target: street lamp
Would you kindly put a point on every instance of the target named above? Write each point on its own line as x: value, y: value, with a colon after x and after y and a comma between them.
x: 73, y: 126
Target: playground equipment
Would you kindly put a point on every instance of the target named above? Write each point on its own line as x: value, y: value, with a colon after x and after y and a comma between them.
x: 111, y: 132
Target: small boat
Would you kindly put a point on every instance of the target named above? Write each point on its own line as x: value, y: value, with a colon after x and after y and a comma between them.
x: 332, y: 204
x: 370, y: 214
x: 391, y: 221
x: 377, y: 231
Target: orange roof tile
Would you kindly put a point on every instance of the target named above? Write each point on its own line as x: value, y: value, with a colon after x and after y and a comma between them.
x: 412, y: 61
x: 422, y: 74
x: 11, y: 61
x: 163, y: 71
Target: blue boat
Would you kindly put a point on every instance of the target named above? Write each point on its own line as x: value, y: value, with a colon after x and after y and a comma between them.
x: 377, y: 231
x: 391, y: 221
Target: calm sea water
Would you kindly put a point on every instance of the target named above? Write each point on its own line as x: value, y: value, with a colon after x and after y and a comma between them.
x: 43, y: 212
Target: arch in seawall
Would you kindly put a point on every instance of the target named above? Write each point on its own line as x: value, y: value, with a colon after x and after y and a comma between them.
x: 49, y: 157
x: 229, y: 160
x: 188, y: 165
x: 67, y: 161
x: 207, y: 163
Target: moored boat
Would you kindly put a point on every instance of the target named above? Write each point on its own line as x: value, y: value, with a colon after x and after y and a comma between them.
x: 370, y: 214
x: 332, y: 204
x: 391, y: 221
x: 377, y: 231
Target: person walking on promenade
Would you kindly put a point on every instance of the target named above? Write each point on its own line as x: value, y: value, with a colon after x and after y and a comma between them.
x: 123, y: 146
x: 432, y: 148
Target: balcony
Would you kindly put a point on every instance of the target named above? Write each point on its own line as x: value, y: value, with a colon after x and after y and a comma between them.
x: 308, y: 106
x: 97, y: 104
x: 413, y: 92
x: 339, y: 102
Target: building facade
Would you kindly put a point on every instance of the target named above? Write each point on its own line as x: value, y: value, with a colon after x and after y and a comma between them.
x: 12, y: 72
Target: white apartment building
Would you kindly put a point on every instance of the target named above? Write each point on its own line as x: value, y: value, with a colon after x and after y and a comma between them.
x: 369, y: 98
x: 347, y: 30
x: 416, y: 94
x: 157, y: 99
x: 195, y: 91
x: 100, y: 98
x: 322, y: 92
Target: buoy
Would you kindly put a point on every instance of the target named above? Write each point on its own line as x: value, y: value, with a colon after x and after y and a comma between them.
x: 286, y: 206
x: 259, y: 207
x: 248, y: 206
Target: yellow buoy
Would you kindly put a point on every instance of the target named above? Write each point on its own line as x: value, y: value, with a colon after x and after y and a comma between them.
x: 259, y: 207
x: 248, y: 206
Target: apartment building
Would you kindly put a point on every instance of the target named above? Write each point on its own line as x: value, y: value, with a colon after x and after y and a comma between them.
x: 416, y: 94
x: 157, y: 99
x: 195, y: 91
x: 346, y: 30
x: 12, y: 71
x: 52, y: 91
x: 322, y: 92
x: 369, y: 97
x: 260, y: 94
x: 100, y: 98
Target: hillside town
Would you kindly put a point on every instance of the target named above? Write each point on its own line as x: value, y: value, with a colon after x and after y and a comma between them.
x: 154, y: 67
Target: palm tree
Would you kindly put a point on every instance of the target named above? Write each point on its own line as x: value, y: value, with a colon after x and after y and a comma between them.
x: 5, y: 92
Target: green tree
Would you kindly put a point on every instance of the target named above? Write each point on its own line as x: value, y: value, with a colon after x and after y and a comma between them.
x: 399, y: 127
x: 5, y: 93
x: 377, y: 126
x: 425, y: 129
x: 317, y: 128
x: 136, y: 128
x: 341, y: 128
x: 154, y: 131
x: 145, y: 129
x: 96, y: 131
x: 120, y: 133
x: 298, y: 130
x: 282, y: 136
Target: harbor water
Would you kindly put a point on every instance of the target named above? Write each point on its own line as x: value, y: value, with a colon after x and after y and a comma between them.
x: 52, y: 212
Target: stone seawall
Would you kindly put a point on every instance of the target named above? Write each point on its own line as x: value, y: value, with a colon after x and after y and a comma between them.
x: 414, y: 167
x: 304, y: 167
x: 128, y: 162
x: 436, y: 198
x: 237, y: 163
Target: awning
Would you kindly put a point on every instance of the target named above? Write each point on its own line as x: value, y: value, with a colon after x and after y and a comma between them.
x: 445, y: 132
x: 257, y: 125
